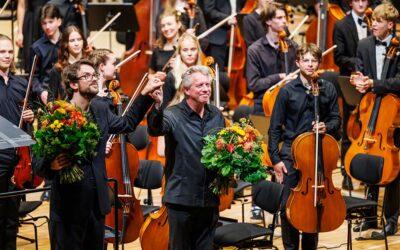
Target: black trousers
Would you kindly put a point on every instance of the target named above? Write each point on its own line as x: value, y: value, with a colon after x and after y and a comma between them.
x: 191, y: 227
x: 290, y: 235
x: 72, y: 234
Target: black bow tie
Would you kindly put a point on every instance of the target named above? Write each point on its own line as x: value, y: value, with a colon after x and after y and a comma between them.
x: 380, y: 43
x: 360, y: 21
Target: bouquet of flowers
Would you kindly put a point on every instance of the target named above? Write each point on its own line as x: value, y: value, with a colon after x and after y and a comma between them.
x: 234, y: 151
x: 65, y: 129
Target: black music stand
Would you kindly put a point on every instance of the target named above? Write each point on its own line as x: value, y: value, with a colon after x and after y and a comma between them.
x: 100, y: 13
x: 11, y: 136
x: 350, y: 95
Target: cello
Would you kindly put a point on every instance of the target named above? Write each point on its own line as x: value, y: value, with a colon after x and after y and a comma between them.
x: 328, y: 15
x: 24, y: 177
x: 122, y: 164
x: 373, y: 149
x: 315, y: 205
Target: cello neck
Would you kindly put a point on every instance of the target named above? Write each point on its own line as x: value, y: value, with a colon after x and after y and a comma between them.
x: 322, y: 24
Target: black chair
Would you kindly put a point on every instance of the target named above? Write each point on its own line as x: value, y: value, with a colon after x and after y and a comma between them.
x: 25, y: 208
x: 139, y: 138
x: 267, y: 195
x: 365, y: 168
x: 240, y: 196
x: 149, y: 177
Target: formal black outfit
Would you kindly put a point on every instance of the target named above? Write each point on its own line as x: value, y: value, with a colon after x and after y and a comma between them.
x: 32, y: 30
x: 252, y: 28
x: 194, y: 208
x: 159, y: 58
x: 56, y: 88
x: 70, y: 14
x: 367, y: 64
x: 77, y: 210
x: 293, y: 115
x: 11, y: 96
x: 264, y: 64
x: 47, y: 53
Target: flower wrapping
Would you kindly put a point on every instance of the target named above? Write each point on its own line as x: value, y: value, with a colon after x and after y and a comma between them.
x: 65, y: 129
x: 234, y: 151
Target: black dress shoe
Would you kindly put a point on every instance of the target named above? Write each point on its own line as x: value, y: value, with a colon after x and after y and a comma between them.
x: 347, y: 184
x: 45, y: 196
x: 391, y: 229
x: 364, y: 226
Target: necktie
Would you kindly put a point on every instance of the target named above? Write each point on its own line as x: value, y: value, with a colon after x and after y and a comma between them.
x: 380, y: 43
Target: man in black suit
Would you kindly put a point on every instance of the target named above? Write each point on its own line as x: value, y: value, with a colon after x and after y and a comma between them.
x: 371, y: 53
x: 77, y: 210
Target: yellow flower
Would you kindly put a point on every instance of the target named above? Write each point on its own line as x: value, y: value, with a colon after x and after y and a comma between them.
x: 61, y: 111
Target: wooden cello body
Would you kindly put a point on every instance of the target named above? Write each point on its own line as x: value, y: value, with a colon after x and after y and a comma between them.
x: 131, y: 208
x: 300, y: 208
x: 324, y: 37
x: 379, y: 117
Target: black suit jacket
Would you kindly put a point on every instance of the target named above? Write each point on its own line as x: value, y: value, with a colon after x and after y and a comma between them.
x: 70, y: 202
x: 366, y: 63
x: 346, y: 38
x: 215, y: 11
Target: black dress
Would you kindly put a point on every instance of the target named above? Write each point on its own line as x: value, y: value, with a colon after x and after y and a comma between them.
x: 159, y: 58
x: 31, y: 29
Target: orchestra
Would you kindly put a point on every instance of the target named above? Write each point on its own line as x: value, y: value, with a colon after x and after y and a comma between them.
x: 193, y: 69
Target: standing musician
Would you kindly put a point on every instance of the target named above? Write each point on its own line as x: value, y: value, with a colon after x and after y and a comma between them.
x: 46, y: 48
x: 371, y: 56
x: 192, y: 207
x: 68, y: 9
x: 12, y: 94
x: 346, y: 34
x: 77, y: 210
x: 215, y: 11
x: 171, y: 28
x: 73, y: 46
x: 293, y: 115
x: 265, y: 63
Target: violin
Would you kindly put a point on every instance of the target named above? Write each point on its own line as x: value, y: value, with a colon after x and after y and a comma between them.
x: 368, y: 17
x: 191, y: 10
x: 284, y: 48
x: 378, y: 119
x: 24, y: 177
x: 315, y: 205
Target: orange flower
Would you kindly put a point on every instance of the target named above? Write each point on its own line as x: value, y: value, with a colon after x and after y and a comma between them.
x: 220, y: 144
x: 230, y: 147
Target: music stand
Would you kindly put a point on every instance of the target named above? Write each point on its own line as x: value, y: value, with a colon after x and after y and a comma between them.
x: 99, y: 14
x: 11, y: 136
x: 350, y: 95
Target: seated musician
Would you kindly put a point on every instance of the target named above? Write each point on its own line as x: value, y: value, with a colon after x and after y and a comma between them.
x: 293, y: 114
x: 371, y: 57
x: 72, y: 48
x: 12, y: 94
x: 189, y: 54
x: 192, y: 207
x: 46, y: 49
x: 265, y: 63
x: 171, y: 28
x: 77, y: 210
x: 346, y: 34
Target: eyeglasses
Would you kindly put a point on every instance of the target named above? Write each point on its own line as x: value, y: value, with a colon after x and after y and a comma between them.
x: 88, y: 77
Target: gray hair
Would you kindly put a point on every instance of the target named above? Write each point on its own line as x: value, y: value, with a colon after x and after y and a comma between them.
x: 187, y: 76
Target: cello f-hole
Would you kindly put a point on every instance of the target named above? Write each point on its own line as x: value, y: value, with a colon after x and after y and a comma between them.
x: 307, y: 184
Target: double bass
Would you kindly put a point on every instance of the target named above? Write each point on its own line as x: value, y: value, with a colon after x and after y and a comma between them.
x: 328, y: 15
x: 373, y: 147
x: 315, y: 205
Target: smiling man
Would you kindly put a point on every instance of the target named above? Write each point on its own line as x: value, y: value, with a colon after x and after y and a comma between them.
x: 192, y: 207
x: 293, y: 114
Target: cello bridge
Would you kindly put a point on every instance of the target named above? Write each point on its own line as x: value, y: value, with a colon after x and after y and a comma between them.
x: 319, y: 186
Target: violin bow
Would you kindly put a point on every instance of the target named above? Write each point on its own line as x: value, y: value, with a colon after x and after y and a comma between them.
x: 134, y: 55
x: 216, y: 26
x: 28, y: 89
x: 4, y: 6
x: 90, y: 40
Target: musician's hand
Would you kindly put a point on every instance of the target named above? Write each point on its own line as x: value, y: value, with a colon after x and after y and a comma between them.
x: 279, y: 170
x: 60, y: 162
x: 20, y: 40
x: 157, y: 95
x: 171, y: 62
x: 28, y: 116
x: 232, y: 21
x: 363, y: 86
x: 291, y: 77
x: 282, y: 75
x: 160, y: 75
x: 191, y: 31
x: 108, y: 147
x: 153, y: 84
x: 43, y: 96
x: 321, y: 127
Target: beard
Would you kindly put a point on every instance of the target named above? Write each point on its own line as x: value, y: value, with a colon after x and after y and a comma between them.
x: 88, y: 93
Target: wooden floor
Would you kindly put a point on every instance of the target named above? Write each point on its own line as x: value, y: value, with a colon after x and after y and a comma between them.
x: 331, y: 240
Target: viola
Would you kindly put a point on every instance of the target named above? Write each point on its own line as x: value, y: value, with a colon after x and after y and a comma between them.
x: 284, y: 48
x: 24, y: 177
x: 378, y: 116
x: 315, y: 205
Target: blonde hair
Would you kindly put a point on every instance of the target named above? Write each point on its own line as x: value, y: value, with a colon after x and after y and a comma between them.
x: 386, y: 11
x: 179, y: 66
x: 161, y: 41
